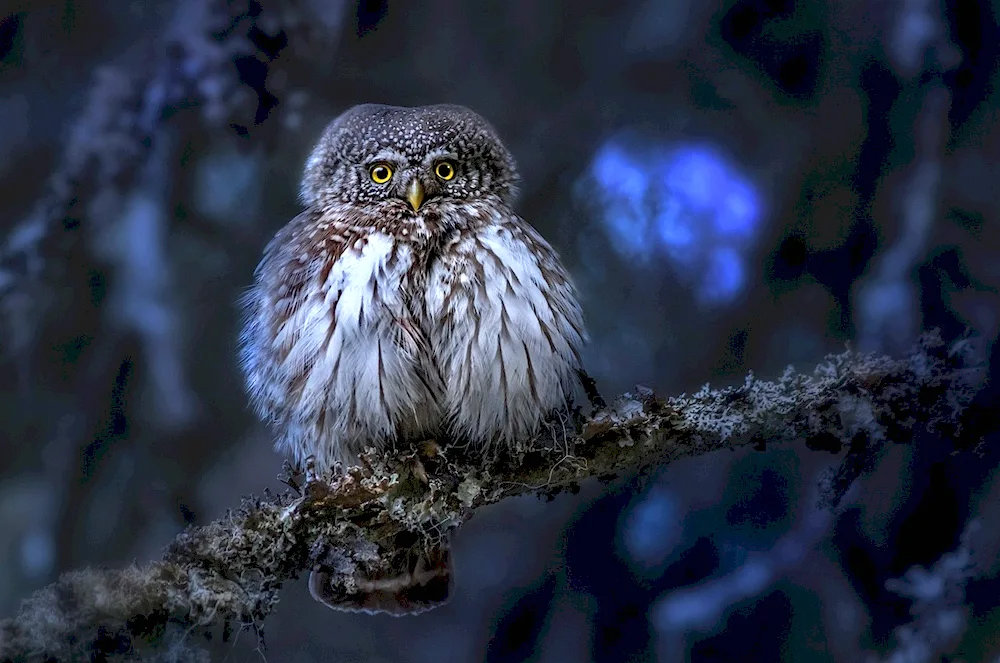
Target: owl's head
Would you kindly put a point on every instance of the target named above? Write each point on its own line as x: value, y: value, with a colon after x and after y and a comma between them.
x: 411, y: 157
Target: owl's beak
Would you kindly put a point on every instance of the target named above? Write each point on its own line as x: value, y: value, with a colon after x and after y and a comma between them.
x: 415, y: 193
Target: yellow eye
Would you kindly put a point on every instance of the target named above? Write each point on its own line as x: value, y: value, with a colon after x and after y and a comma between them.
x: 381, y: 173
x: 445, y: 170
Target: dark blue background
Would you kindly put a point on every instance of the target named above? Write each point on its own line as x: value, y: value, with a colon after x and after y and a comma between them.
x: 735, y: 186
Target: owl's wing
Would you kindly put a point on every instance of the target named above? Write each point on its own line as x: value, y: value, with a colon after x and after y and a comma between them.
x: 282, y: 280
x: 565, y: 306
x: 511, y: 331
x: 558, y: 312
x: 330, y: 351
x: 535, y: 285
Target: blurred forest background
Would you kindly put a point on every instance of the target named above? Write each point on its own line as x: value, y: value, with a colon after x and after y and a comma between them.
x: 735, y: 186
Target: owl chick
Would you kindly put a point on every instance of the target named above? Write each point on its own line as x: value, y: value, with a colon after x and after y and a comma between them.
x: 408, y: 300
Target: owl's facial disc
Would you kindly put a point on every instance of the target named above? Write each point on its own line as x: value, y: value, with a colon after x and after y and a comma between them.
x: 415, y: 193
x: 370, y: 153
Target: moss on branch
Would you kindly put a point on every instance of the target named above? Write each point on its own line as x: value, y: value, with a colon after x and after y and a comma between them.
x: 230, y: 571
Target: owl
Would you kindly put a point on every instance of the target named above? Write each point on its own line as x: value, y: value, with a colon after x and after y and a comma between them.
x: 408, y: 301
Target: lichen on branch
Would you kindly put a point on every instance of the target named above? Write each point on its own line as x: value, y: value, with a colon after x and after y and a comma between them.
x: 362, y: 519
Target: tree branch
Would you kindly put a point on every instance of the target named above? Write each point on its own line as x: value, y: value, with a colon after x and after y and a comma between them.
x: 231, y: 570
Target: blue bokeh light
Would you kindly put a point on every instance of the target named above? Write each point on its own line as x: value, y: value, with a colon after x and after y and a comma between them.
x: 725, y: 273
x: 687, y: 204
x: 652, y: 528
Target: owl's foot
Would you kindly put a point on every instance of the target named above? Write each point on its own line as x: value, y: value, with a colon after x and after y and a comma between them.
x: 290, y: 476
x: 313, y: 489
x: 311, y: 470
x: 415, y: 462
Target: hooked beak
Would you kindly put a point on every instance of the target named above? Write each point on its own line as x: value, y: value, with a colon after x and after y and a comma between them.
x: 415, y: 193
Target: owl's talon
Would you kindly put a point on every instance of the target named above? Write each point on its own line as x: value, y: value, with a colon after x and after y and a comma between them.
x: 366, y: 463
x: 289, y: 476
x: 310, y: 464
x: 419, y: 471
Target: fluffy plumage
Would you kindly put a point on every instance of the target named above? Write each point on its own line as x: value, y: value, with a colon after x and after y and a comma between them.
x: 377, y: 317
x: 370, y: 322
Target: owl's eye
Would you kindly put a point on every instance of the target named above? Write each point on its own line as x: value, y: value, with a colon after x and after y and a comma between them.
x: 445, y: 170
x: 381, y: 173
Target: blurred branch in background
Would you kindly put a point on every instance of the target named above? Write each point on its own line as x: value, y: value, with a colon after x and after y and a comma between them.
x: 940, y: 615
x: 702, y: 607
x: 101, y: 228
x: 231, y: 571
x: 918, y: 48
